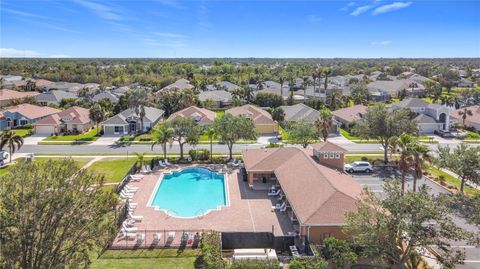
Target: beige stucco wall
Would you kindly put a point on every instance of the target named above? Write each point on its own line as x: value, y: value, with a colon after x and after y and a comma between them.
x: 318, y: 233
x: 266, y: 128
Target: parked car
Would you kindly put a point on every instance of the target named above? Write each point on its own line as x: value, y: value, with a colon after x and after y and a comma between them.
x: 443, y: 133
x: 458, y: 133
x: 359, y: 167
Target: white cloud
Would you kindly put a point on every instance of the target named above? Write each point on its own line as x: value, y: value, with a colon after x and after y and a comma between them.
x: 391, y: 7
x: 171, y: 3
x: 170, y: 35
x: 381, y: 43
x: 360, y: 10
x: 22, y: 13
x: 103, y: 11
x: 314, y: 18
x: 16, y: 53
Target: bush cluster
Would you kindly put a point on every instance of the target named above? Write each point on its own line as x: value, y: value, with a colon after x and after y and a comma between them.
x: 211, y: 252
x: 255, y: 264
x: 199, y: 154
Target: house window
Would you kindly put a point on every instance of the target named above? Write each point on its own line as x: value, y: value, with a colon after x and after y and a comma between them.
x: 337, y: 155
x: 117, y: 129
x: 332, y: 155
x: 325, y: 155
x: 23, y: 122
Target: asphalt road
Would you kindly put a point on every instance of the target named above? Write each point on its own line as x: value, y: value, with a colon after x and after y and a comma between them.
x: 375, y: 182
x: 124, y: 149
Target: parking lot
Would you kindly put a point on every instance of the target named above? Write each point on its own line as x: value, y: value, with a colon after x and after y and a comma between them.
x: 374, y: 182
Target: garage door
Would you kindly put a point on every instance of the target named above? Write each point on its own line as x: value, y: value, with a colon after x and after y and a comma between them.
x: 44, y: 129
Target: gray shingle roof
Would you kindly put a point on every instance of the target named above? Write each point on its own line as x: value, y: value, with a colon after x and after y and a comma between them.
x: 422, y: 118
x: 151, y: 115
x: 216, y: 96
x: 55, y: 96
x: 223, y: 85
x: 411, y: 103
x: 300, y: 112
x: 105, y: 95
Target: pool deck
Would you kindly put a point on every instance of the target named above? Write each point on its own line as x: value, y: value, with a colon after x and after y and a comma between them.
x: 248, y: 211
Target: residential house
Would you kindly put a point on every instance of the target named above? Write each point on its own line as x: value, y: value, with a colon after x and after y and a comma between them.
x: 129, y: 122
x: 382, y: 90
x: 201, y: 116
x: 24, y: 114
x: 465, y: 83
x: 7, y: 97
x: 263, y: 121
x: 106, y: 95
x: 348, y: 115
x: 181, y: 84
x: 470, y: 121
x: 223, y: 85
x: 220, y: 98
x: 429, y: 117
x: 72, y: 120
x: 42, y: 83
x: 54, y: 97
x: 64, y: 86
x: 300, y: 112
x: 317, y: 196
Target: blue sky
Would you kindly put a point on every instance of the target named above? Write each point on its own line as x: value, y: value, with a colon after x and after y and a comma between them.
x: 234, y: 28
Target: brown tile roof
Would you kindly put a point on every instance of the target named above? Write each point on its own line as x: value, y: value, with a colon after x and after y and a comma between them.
x: 350, y: 114
x: 6, y: 94
x: 43, y: 82
x: 328, y: 146
x: 475, y: 118
x: 72, y: 115
x: 205, y: 116
x: 258, y: 115
x: 33, y: 111
x: 318, y: 195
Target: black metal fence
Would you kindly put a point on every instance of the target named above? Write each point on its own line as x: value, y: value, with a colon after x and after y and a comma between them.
x: 233, y: 240
x: 151, y: 239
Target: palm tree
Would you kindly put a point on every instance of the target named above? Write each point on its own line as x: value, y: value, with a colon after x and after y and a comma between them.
x: 210, y: 132
x: 140, y: 160
x: 465, y: 113
x: 420, y: 155
x: 12, y: 140
x: 281, y: 79
x: 305, y: 84
x: 404, y: 146
x: 138, y: 100
x: 324, y: 122
x: 162, y: 135
x: 326, y: 72
x: 314, y: 78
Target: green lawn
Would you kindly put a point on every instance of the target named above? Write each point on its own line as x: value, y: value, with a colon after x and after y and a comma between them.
x: 79, y: 161
x: 146, y: 259
x: 219, y: 114
x: 21, y: 132
x: 113, y: 169
x: 471, y: 135
x: 88, y: 136
x: 450, y: 181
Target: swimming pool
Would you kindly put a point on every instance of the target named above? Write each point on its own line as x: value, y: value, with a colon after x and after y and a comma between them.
x: 190, y: 192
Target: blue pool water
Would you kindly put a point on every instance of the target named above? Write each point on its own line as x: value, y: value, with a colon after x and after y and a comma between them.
x: 190, y: 192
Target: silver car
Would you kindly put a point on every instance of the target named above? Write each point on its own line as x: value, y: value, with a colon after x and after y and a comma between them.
x: 358, y: 167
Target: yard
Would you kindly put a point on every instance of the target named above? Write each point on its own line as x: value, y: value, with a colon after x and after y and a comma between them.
x: 79, y: 161
x: 146, y: 259
x: 88, y: 136
x: 113, y: 169
x: 21, y: 132
x: 449, y: 181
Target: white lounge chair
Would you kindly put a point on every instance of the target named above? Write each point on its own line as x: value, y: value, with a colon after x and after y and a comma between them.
x: 167, y: 163
x: 133, y: 205
x: 128, y: 187
x: 126, y: 195
x: 136, y: 177
x: 171, y: 235
x: 129, y: 222
x: 149, y: 170
x: 144, y: 170
x: 128, y: 234
x: 140, y: 238
x: 126, y: 190
x: 157, y: 236
x: 274, y: 193
x: 279, y: 206
x: 129, y: 229
x: 231, y: 163
x: 161, y: 164
x: 283, y: 209
x: 135, y: 217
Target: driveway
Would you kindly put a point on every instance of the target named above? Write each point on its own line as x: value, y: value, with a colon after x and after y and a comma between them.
x: 267, y: 139
x: 375, y: 181
x: 33, y: 139
x: 105, y: 141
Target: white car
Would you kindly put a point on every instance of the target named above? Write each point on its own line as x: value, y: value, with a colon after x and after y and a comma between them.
x: 358, y: 167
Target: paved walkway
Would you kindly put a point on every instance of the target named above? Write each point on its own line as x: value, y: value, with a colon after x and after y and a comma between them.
x: 33, y: 139
x: 105, y: 140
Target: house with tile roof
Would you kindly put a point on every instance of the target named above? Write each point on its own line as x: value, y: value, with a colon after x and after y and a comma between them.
x: 106, y: 95
x: 24, y: 114
x: 219, y: 98
x: 299, y: 112
x: 54, y: 97
x: 317, y: 196
x: 181, y: 84
x: 348, y: 115
x: 72, y: 120
x: 223, y: 85
x: 470, y: 121
x: 429, y: 117
x: 202, y: 116
x: 8, y: 96
x: 263, y: 121
x: 129, y: 122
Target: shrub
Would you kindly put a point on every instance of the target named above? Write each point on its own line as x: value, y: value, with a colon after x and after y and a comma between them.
x: 255, y: 264
x: 339, y: 252
x: 218, y: 159
x: 365, y: 159
x: 199, y: 154
x: 211, y: 252
x: 308, y: 263
x: 273, y: 145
